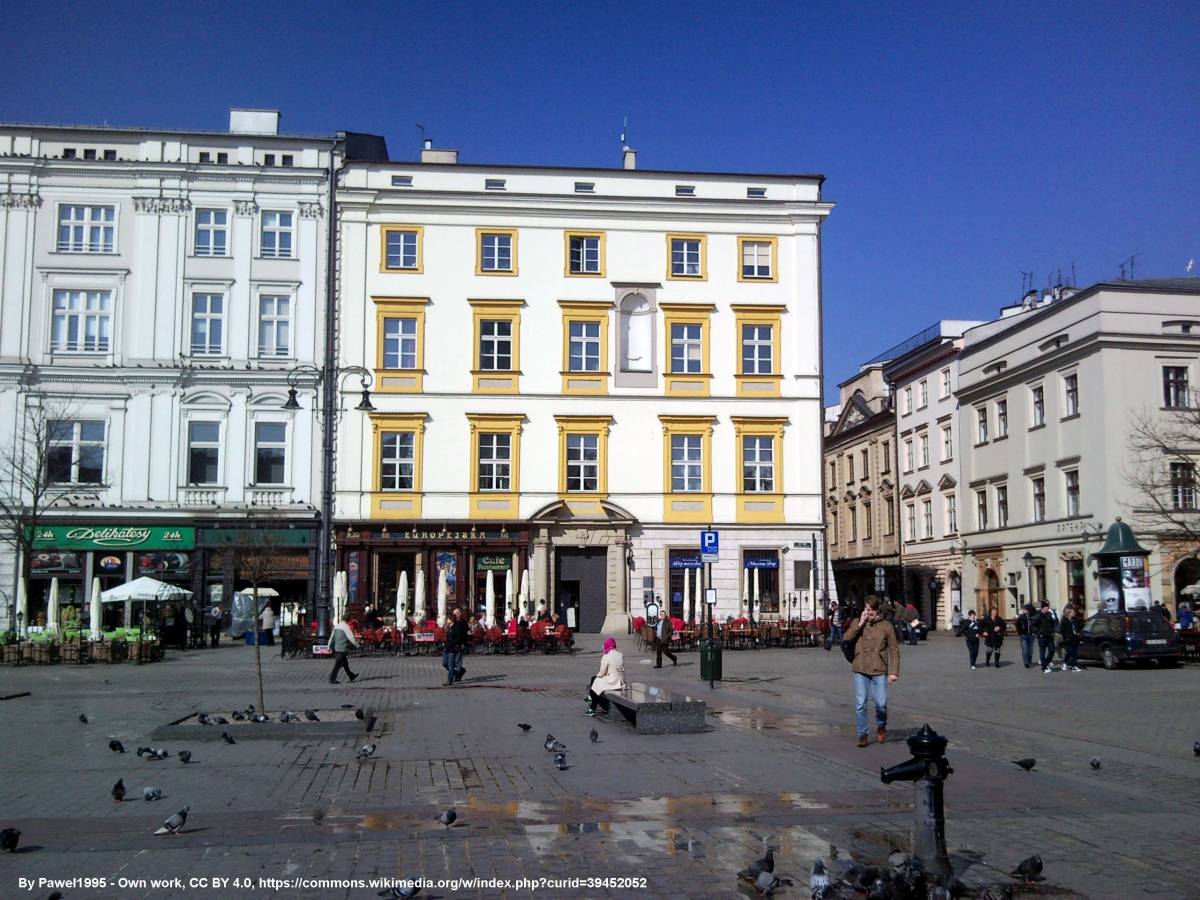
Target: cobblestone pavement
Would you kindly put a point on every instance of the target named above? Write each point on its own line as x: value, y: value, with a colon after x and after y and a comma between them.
x: 778, y: 766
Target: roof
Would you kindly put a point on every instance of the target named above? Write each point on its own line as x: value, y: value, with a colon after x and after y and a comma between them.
x: 132, y: 129
x: 609, y: 170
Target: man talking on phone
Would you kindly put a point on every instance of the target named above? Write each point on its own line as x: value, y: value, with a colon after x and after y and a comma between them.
x: 876, y: 665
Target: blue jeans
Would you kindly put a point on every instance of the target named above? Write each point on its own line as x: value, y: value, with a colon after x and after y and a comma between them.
x: 834, y: 636
x: 877, y: 684
x: 452, y: 662
x: 1027, y: 649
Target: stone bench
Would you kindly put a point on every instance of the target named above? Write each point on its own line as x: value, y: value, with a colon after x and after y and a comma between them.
x: 652, y: 710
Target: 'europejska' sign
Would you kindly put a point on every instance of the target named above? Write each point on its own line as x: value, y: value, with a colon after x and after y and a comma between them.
x: 113, y: 537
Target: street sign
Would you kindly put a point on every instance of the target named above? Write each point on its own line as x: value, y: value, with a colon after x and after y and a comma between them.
x: 709, y: 546
x: 880, y: 583
x: 710, y: 596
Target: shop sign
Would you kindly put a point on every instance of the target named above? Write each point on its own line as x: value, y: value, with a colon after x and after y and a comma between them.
x: 458, y: 534
x: 49, y: 563
x: 269, y: 537
x: 493, y: 562
x: 686, y: 561
x: 163, y: 563
x: 762, y: 562
x: 104, y: 537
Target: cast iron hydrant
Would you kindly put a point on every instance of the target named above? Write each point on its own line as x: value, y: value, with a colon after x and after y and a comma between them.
x: 928, y: 769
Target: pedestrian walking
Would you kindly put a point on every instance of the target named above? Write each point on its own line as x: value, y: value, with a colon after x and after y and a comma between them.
x: 1184, y: 616
x: 956, y: 621
x: 1025, y: 633
x: 876, y: 665
x: 908, y: 618
x: 1046, y: 627
x: 214, y: 627
x: 458, y: 635
x: 970, y: 631
x: 341, y: 639
x: 1165, y: 611
x: 267, y: 619
x: 663, y: 631
x: 610, y: 677
x: 993, y: 626
x: 835, y: 625
x: 1070, y: 640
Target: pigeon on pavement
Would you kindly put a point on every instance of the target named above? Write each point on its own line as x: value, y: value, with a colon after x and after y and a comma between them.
x: 9, y: 838
x: 185, y: 756
x: 116, y: 746
x: 311, y: 715
x: 83, y: 718
x: 260, y: 718
x: 560, y: 760
x: 220, y: 720
x: 767, y: 883
x: 996, y: 892
x: 226, y: 738
x: 766, y: 864
x: 1094, y: 762
x: 1196, y: 748
x: 151, y: 793
x: 593, y: 736
x: 1028, y: 869
x: 818, y: 881
x: 203, y: 719
x: 366, y: 752
x: 448, y: 818
x: 347, y: 706
x: 401, y: 892
x: 238, y: 716
x: 174, y: 824
x: 358, y: 714
x: 118, y: 790
x: 525, y: 728
x: 1027, y: 764
x: 286, y: 716
x: 549, y: 742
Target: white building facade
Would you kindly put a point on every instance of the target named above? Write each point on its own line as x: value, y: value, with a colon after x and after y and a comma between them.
x: 575, y: 371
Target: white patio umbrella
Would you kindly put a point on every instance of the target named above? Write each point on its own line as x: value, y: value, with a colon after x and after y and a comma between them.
x: 687, y: 595
x: 757, y: 598
x: 52, y: 608
x: 339, y: 596
x: 442, y: 587
x: 94, y: 613
x: 745, y: 591
x: 489, y: 600
x: 1192, y: 590
x: 145, y: 590
x: 22, y: 607
x: 510, y: 597
x: 525, y: 592
x: 402, y: 601
x: 419, y: 596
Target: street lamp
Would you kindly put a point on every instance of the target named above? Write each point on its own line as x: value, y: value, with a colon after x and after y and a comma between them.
x: 1028, y: 560
x: 329, y: 381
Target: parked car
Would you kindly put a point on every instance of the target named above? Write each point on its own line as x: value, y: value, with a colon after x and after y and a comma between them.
x: 1112, y: 638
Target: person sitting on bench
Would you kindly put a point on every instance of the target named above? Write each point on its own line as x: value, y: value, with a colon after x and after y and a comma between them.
x: 611, y: 677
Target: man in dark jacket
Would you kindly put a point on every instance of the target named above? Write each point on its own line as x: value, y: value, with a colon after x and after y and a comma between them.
x: 876, y: 665
x: 1025, y: 633
x: 663, y: 632
x: 1070, y: 640
x: 970, y: 631
x: 457, y: 636
x: 1046, y: 626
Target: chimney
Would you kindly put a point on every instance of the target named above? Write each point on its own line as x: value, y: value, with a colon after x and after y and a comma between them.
x: 254, y: 121
x: 1030, y: 299
x: 630, y: 158
x: 430, y: 155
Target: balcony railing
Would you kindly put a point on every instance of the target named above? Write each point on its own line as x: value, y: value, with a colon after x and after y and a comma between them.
x: 202, y: 496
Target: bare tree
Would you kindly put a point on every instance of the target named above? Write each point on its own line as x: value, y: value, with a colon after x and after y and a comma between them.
x: 1161, y: 469
x: 256, y: 559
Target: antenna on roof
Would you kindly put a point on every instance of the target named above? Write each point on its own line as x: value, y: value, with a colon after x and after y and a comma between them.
x: 1073, y: 282
x: 422, y: 127
x: 1026, y: 282
x: 624, y: 128
x: 1129, y: 263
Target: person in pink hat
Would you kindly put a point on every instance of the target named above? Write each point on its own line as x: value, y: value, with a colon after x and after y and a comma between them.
x: 610, y: 677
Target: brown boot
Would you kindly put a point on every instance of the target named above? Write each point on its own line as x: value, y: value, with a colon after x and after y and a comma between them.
x: 862, y: 740
x: 881, y: 735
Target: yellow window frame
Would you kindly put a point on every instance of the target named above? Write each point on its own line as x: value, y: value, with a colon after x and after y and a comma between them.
x: 594, y: 311
x: 688, y: 506
x: 397, y: 504
x: 479, y: 233
x: 680, y: 236
x: 399, y: 381
x: 693, y: 384
x: 602, y: 235
x: 759, y: 239
x: 507, y: 381
x: 757, y: 385
x: 583, y: 425
x: 755, y: 506
x: 384, y: 231
x: 495, y: 504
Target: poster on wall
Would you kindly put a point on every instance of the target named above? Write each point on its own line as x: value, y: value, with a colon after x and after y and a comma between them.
x: 447, y: 561
x: 1110, y: 594
x: 352, y: 575
x: 1135, y: 582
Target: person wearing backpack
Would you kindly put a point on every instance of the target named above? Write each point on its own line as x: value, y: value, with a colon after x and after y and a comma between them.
x: 875, y: 664
x: 1046, y: 625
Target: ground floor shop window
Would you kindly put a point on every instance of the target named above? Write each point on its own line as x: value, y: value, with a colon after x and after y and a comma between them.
x: 760, y: 569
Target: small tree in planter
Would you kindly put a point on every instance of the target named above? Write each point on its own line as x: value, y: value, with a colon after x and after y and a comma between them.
x: 257, y: 560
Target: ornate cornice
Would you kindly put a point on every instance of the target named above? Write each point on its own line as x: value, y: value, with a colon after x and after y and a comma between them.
x: 311, y: 211
x: 157, y: 205
x: 20, y: 201
x: 245, y: 207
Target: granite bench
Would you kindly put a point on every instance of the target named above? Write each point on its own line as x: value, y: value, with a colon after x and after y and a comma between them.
x: 652, y: 710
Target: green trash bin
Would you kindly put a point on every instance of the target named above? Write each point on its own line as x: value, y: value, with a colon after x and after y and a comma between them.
x: 710, y: 660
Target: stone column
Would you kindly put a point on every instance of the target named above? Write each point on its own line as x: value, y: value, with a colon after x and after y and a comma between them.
x: 616, y: 619
x: 541, y: 570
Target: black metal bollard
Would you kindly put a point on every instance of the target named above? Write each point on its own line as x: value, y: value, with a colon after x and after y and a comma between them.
x: 928, y: 769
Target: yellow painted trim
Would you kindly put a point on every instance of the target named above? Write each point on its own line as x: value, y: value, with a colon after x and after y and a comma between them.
x: 384, y: 231
x: 689, y: 384
x: 759, y: 239
x: 703, y: 239
x: 504, y: 381
x: 399, y: 308
x: 479, y: 233
x: 699, y: 503
x: 755, y: 314
x: 495, y: 504
x: 597, y: 425
x: 392, y: 422
x: 750, y: 505
x: 593, y: 383
x: 567, y: 235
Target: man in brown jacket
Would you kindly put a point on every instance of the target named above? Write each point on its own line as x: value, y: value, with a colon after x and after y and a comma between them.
x: 876, y: 665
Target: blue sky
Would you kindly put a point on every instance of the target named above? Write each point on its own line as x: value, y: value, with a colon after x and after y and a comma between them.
x: 963, y: 143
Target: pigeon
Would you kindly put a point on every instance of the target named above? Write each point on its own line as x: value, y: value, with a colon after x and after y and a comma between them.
x: 358, y: 714
x: 448, y: 818
x: 185, y: 756
x: 593, y: 736
x: 151, y: 793
x: 556, y: 746
x: 560, y: 760
x: 203, y: 719
x: 767, y: 884
x: 366, y: 752
x: 1028, y: 869
x: 83, y: 718
x: 938, y: 892
x: 9, y: 838
x: 220, y: 720
x: 174, y: 824
x: 401, y: 892
x: 285, y: 717
x: 881, y: 890
x: 347, y: 706
x: 549, y: 742
x: 116, y: 746
x: 311, y: 715
x: 996, y: 892
x: 525, y: 728
x: 260, y: 718
x: 142, y: 751
x: 226, y: 738
x: 238, y: 716
x: 1027, y: 764
x: 1196, y: 748
x: 1094, y: 762
x: 818, y: 881
x: 118, y: 790
x: 250, y: 708
x: 756, y: 868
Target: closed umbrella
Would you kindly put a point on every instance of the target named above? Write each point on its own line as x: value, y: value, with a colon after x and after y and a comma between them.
x: 52, y: 608
x: 745, y: 590
x: 22, y: 606
x: 339, y: 596
x: 419, y: 598
x: 441, y: 597
x: 525, y: 592
x: 94, y: 614
x: 510, y: 596
x: 687, y: 595
x: 402, y: 601
x: 489, y: 600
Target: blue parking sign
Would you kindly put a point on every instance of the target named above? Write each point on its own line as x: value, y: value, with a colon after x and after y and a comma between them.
x: 709, y: 546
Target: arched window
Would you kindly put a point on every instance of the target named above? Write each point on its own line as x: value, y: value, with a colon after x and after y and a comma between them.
x: 637, y: 334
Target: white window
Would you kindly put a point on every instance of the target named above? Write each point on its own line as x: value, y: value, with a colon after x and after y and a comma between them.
x: 908, y: 455
x: 75, y: 453
x: 212, y: 232
x: 276, y: 238
x: 947, y: 442
x: 906, y: 401
x: 204, y: 452
x: 400, y: 249
x: 922, y: 394
x: 1001, y: 418
x: 923, y: 450
x: 82, y: 321
x: 1183, y: 485
x: 686, y: 348
x: 1037, y: 398
x: 867, y: 523
x: 495, y: 461
x: 585, y: 255
x: 495, y: 345
x: 685, y: 256
x: 583, y: 463
x: 951, y: 513
x: 926, y: 519
x: 945, y: 392
x: 1175, y: 387
x: 981, y: 510
x: 981, y: 425
x: 1002, y: 506
x: 87, y: 229
x: 758, y: 463
x: 1071, y: 477
x: 397, y: 460
x: 496, y: 252
x: 852, y: 519
x: 270, y: 452
x: 1071, y: 395
x: 687, y: 464
x: 1039, y: 499
x: 584, y: 350
x: 756, y: 259
x: 399, y: 343
x: 910, y: 521
x: 208, y: 324
x: 757, y: 348
x: 274, y: 325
